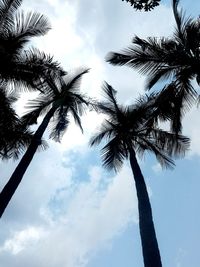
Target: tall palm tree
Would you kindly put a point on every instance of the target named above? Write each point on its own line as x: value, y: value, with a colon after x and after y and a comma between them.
x: 60, y: 100
x: 19, y: 64
x: 128, y: 132
x: 145, y: 5
x: 175, y: 59
x: 14, y: 135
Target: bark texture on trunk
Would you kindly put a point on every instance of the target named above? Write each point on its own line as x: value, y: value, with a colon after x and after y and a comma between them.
x: 150, y: 249
x: 15, y: 179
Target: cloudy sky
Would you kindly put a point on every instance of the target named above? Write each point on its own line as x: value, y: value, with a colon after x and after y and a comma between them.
x: 70, y: 212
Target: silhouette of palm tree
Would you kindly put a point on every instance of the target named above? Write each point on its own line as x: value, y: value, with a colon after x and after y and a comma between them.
x: 128, y: 132
x: 145, y: 5
x: 60, y: 100
x: 175, y: 59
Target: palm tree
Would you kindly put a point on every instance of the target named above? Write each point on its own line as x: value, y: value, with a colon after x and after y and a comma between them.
x: 60, y: 100
x: 128, y: 132
x: 14, y: 135
x: 19, y: 65
x: 145, y: 5
x: 175, y: 59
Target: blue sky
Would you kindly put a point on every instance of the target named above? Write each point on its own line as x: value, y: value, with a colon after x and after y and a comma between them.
x: 70, y: 212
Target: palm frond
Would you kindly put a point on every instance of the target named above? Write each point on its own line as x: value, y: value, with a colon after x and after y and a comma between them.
x: 111, y: 103
x: 30, y: 70
x: 76, y: 117
x: 60, y: 124
x: 174, y: 144
x: 31, y: 117
x: 177, y: 15
x: 36, y: 108
x: 105, y: 132
x: 110, y: 93
x: 27, y: 25
x: 183, y: 23
x: 164, y: 73
x: 7, y: 10
x: 162, y: 157
x: 106, y: 107
x: 113, y: 154
x: 72, y: 81
x: 119, y: 59
x: 147, y: 56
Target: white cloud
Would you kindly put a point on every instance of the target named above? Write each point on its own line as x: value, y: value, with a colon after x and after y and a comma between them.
x: 22, y: 239
x: 191, y: 128
x: 181, y: 253
x: 157, y: 168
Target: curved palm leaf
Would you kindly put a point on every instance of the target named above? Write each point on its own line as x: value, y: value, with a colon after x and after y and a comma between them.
x: 30, y: 70
x: 7, y: 10
x: 28, y: 25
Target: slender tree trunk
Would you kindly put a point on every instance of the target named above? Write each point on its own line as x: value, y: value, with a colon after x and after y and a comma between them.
x: 15, y: 179
x: 151, y: 253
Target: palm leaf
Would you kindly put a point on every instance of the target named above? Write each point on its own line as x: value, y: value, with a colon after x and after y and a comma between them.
x: 164, y: 73
x: 105, y: 132
x: 72, y: 81
x: 174, y: 144
x: 29, y: 25
x: 76, y: 117
x: 161, y: 155
x: 7, y: 10
x: 30, y: 70
x: 60, y: 124
x: 113, y: 154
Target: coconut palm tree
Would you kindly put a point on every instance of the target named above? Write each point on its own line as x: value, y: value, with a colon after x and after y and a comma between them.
x: 145, y: 5
x: 129, y: 133
x: 175, y: 59
x: 14, y: 135
x: 21, y: 65
x: 59, y: 101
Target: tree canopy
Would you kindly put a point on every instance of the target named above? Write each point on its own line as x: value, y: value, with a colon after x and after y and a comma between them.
x: 145, y: 5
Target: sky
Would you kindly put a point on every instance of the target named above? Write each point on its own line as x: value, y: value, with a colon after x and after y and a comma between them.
x: 69, y: 211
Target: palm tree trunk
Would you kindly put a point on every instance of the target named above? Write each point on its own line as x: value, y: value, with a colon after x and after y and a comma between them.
x: 151, y: 253
x: 15, y: 179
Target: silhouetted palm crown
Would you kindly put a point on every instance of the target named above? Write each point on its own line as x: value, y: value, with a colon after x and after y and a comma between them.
x: 128, y: 128
x: 16, y: 29
x: 62, y: 96
x: 176, y: 59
